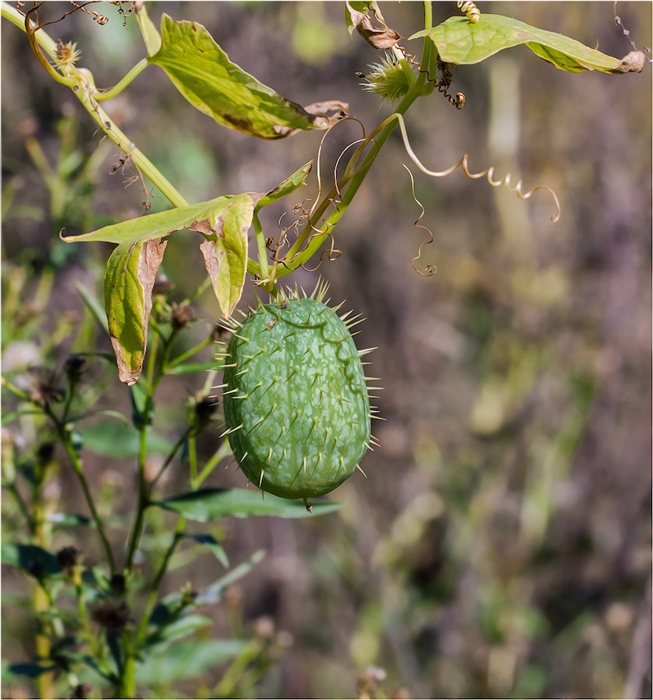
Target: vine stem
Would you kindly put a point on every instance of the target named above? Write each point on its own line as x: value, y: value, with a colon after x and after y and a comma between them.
x: 352, y: 182
x: 80, y: 81
x: 353, y: 177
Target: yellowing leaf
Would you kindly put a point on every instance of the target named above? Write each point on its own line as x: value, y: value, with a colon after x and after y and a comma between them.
x: 128, y: 283
x: 205, y: 76
x: 289, y: 185
x: 132, y: 267
x: 225, y: 253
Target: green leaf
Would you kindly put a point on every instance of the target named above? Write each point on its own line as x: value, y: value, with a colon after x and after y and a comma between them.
x: 357, y: 17
x: 32, y: 559
x: 14, y: 415
x: 100, y: 412
x: 69, y: 520
x: 205, y: 76
x: 213, y: 545
x: 223, y: 221
x: 181, y: 627
x: 29, y: 669
x: 290, y: 184
x: 213, y: 593
x: 150, y: 34
x: 174, y: 605
x: 205, y: 505
x: 462, y: 42
x: 185, y: 660
x: 152, y: 226
x: 121, y: 441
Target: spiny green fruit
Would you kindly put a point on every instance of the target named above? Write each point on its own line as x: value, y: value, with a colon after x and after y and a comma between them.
x: 296, y: 402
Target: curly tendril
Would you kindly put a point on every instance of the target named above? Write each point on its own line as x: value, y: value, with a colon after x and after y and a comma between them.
x: 505, y: 181
x: 470, y: 9
x: 441, y: 84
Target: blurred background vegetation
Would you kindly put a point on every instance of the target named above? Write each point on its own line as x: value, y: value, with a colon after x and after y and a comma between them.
x: 501, y: 544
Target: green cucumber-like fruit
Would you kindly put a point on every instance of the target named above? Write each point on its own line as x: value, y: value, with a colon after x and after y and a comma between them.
x: 296, y: 403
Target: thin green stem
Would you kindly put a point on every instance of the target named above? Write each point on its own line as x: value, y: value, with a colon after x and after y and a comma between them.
x: 82, y: 612
x: 152, y: 352
x: 189, y: 353
x: 200, y: 289
x: 153, y: 379
x: 104, y: 95
x: 350, y: 183
x: 143, y: 498
x: 223, y: 451
x: 127, y: 686
x: 228, y: 684
x: 169, y: 458
x: 76, y: 463
x: 22, y: 506
x: 261, y: 247
x: 77, y: 467
x: 58, y: 627
x: 192, y: 459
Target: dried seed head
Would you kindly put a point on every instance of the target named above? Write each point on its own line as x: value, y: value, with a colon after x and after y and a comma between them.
x: 204, y: 409
x: 162, y: 285
x: 182, y: 316
x: 73, y: 367
x: 112, y: 615
x: 67, y: 54
x: 67, y: 557
x: 46, y: 386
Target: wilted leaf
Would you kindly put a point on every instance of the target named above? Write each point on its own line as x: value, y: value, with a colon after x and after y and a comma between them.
x: 462, y: 42
x: 205, y: 76
x: 133, y: 265
x: 128, y: 283
x: 205, y: 505
x: 632, y: 62
x: 225, y: 250
x: 357, y: 17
